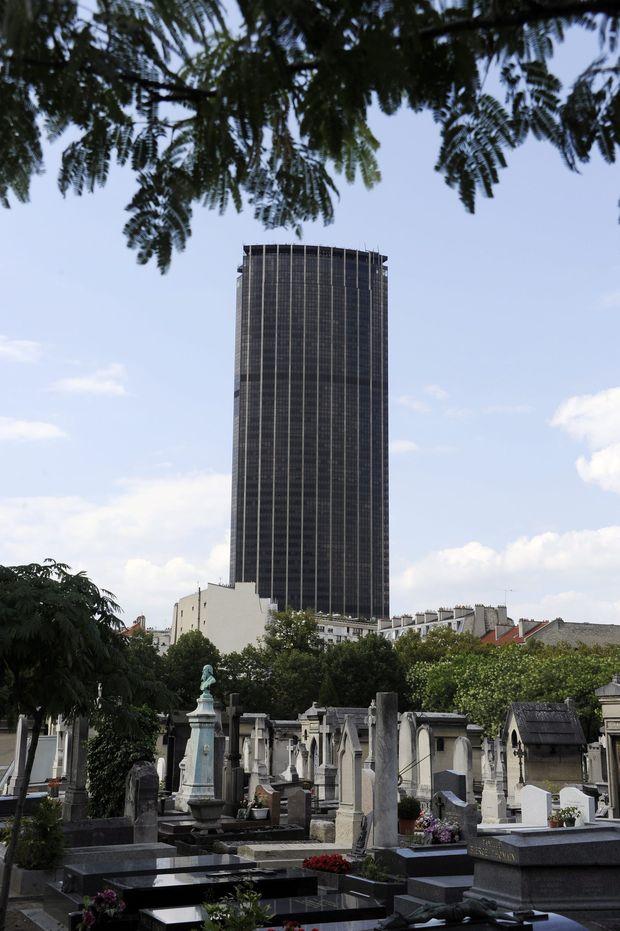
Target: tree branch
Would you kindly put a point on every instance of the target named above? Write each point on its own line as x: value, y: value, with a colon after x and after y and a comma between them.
x: 532, y: 14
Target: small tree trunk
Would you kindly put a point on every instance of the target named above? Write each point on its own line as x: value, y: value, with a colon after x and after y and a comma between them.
x: 17, y: 820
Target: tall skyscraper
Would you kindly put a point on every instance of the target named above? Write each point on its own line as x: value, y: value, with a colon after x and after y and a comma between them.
x: 310, y: 448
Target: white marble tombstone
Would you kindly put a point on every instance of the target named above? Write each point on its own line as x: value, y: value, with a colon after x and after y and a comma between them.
x: 260, y: 768
x: 572, y: 796
x: 407, y: 757
x: 349, y: 814
x: 425, y: 764
x: 462, y: 762
x: 535, y: 806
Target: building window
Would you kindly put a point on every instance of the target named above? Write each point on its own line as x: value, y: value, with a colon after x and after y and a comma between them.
x: 439, y: 744
x: 514, y: 740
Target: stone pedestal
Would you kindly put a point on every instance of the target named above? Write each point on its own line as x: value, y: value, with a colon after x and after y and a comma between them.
x: 198, y: 781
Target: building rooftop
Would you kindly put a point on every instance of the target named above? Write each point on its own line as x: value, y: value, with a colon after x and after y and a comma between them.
x: 546, y: 722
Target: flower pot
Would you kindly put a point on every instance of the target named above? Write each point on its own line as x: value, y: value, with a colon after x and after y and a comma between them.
x: 406, y: 825
x: 259, y: 814
x: 569, y: 822
x: 554, y: 823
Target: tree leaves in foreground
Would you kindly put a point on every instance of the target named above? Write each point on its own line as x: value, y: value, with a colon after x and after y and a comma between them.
x: 267, y: 104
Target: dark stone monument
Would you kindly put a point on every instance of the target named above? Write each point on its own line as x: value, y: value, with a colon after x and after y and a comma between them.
x: 299, y: 808
x: 573, y: 870
x: 233, y: 772
x: 141, y: 792
x: 449, y: 781
x: 446, y: 805
x: 75, y: 803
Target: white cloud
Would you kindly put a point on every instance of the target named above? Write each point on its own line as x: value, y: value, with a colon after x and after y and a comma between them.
x: 130, y: 542
x: 413, y: 404
x: 106, y: 381
x: 611, y: 299
x: 19, y: 350
x: 595, y: 419
x: 508, y: 409
x: 12, y: 429
x: 403, y: 446
x: 572, y: 574
x: 437, y: 392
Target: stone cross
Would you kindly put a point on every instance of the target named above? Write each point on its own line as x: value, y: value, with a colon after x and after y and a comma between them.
x: 520, y: 755
x: 233, y: 788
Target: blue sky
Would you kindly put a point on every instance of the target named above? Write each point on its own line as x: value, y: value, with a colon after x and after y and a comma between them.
x: 116, y: 385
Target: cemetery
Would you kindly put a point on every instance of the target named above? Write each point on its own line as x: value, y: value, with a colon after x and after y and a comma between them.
x: 352, y: 818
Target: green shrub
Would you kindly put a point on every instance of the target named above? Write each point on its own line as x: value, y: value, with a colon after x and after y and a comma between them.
x: 112, y: 753
x: 41, y: 840
x: 370, y: 869
x: 409, y: 808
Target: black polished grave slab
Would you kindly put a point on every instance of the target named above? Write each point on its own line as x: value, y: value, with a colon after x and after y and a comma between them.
x: 87, y: 878
x: 311, y: 910
x: 177, y: 889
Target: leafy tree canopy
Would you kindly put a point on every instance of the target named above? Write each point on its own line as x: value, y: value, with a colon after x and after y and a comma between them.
x: 483, y: 684
x: 149, y: 672
x: 266, y: 104
x: 183, y: 664
x: 355, y: 671
x: 292, y: 630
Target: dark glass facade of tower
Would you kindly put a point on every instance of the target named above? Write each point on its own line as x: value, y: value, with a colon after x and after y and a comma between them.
x: 310, y: 448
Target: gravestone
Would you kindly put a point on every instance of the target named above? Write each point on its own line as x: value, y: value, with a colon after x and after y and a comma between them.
x: 449, y: 807
x: 75, y: 803
x: 493, y: 803
x: 260, y: 769
x: 271, y: 800
x: 371, y: 720
x: 290, y: 774
x: 407, y: 758
x: 572, y: 796
x: 299, y: 802
x: 325, y: 777
x: 450, y: 781
x: 535, y: 806
x: 462, y: 762
x: 564, y: 871
x: 425, y: 764
x: 349, y: 814
x: 21, y: 749
x: 141, y: 792
x: 386, y: 771
x: 360, y: 845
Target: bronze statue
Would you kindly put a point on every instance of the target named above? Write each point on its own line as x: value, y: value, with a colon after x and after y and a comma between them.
x: 206, y: 681
x: 484, y: 909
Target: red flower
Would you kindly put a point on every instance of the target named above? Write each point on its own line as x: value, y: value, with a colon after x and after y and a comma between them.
x: 328, y: 863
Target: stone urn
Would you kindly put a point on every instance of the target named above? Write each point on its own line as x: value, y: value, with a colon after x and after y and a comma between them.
x: 207, y: 812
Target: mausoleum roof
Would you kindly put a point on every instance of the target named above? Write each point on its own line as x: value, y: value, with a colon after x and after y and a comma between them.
x: 546, y: 722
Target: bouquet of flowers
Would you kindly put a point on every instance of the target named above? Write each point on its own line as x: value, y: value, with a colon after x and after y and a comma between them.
x: 436, y: 830
x: 103, y: 907
x: 328, y: 863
